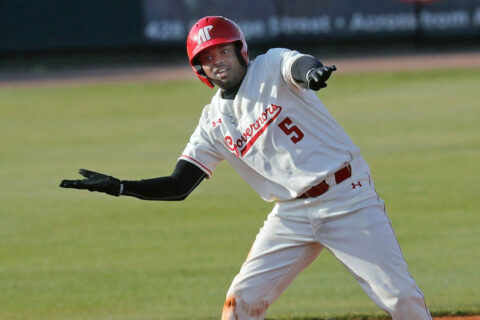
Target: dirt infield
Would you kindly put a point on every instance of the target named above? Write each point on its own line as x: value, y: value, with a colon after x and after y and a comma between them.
x: 182, y: 71
x: 459, y: 318
x: 408, y: 62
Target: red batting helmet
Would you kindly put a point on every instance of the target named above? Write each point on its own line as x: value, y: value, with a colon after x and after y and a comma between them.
x: 210, y: 31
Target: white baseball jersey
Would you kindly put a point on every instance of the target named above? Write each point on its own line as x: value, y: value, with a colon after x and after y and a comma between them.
x: 276, y: 132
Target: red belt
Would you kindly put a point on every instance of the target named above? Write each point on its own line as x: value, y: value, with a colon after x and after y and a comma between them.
x: 322, y: 187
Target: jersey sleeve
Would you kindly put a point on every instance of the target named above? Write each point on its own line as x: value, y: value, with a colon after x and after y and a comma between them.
x: 200, y: 150
x: 288, y: 57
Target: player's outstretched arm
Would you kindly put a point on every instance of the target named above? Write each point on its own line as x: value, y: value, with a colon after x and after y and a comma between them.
x: 309, y: 70
x: 184, y: 179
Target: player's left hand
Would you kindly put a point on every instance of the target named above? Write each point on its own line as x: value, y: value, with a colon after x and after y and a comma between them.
x: 94, y: 182
x: 317, y: 77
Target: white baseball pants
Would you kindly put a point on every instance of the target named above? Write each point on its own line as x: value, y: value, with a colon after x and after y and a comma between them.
x: 350, y: 221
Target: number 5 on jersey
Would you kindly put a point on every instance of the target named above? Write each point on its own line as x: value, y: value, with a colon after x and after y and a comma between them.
x: 288, y: 129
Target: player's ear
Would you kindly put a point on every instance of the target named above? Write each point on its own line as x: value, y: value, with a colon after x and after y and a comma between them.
x: 238, y: 51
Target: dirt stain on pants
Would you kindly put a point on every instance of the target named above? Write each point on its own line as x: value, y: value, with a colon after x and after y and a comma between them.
x: 241, y: 310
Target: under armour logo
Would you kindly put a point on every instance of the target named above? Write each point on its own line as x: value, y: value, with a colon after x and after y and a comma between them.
x: 204, y: 34
x: 358, y: 184
x: 214, y: 123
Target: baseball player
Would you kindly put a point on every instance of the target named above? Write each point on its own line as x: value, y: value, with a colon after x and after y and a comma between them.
x: 267, y: 122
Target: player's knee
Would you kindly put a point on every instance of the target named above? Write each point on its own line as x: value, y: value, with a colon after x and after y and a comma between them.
x: 237, y: 307
x: 409, y: 305
x: 229, y: 306
x: 407, y: 298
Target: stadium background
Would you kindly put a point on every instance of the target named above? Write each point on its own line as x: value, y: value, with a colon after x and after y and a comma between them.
x: 37, y: 36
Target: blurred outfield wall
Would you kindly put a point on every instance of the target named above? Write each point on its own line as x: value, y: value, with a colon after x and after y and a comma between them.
x: 39, y: 25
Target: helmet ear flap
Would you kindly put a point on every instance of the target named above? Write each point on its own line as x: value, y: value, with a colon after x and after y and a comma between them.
x: 199, y: 69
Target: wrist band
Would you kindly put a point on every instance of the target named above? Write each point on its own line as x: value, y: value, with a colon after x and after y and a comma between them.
x: 121, y: 189
x: 308, y: 74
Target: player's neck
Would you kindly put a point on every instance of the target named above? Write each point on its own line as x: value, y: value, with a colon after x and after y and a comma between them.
x: 230, y: 93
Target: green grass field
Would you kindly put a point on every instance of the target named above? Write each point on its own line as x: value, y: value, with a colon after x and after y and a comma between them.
x: 68, y: 254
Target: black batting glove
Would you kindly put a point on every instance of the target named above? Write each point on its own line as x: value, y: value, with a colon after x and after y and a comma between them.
x: 95, y: 182
x: 317, y: 77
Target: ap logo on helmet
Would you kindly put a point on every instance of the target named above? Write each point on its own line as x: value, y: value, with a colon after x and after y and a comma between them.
x: 204, y: 34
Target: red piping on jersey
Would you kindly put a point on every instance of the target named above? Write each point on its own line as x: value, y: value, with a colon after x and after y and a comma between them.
x: 259, y: 132
x: 209, y: 172
x: 234, y: 147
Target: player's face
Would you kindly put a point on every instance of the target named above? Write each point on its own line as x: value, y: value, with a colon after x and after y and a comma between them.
x: 222, y: 66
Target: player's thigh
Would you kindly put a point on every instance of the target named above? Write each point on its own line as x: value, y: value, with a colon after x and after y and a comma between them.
x: 272, y: 264
x: 366, y: 244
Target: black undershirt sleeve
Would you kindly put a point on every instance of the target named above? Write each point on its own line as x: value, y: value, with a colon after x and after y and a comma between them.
x: 184, y: 179
x: 302, y: 65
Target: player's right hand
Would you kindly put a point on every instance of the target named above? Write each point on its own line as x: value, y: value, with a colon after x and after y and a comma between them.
x: 95, y: 182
